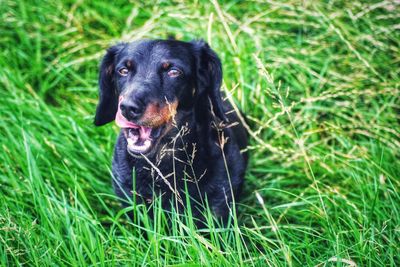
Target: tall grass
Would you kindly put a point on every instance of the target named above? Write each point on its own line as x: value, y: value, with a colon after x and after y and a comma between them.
x: 318, y: 82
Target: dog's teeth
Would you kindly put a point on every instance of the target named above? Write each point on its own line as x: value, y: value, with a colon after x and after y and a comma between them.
x: 131, y: 142
x: 147, y: 143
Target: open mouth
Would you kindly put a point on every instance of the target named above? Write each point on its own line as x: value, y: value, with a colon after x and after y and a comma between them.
x: 141, y: 139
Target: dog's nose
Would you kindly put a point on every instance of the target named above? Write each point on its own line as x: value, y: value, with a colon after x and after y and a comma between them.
x: 131, y: 110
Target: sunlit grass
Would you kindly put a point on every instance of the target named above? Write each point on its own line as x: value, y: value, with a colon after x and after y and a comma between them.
x: 318, y: 82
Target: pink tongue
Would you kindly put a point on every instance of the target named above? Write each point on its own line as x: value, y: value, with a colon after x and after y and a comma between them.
x: 144, y: 132
x: 122, y: 122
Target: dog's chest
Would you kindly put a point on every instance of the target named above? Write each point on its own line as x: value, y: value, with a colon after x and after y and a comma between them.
x: 169, y: 176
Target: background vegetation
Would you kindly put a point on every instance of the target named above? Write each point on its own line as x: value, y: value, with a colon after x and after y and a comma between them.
x: 318, y: 80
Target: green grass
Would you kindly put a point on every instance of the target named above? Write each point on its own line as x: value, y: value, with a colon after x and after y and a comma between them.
x: 319, y: 83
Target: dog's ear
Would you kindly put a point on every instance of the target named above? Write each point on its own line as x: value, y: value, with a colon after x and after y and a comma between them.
x: 171, y: 36
x: 209, y: 76
x: 108, y: 95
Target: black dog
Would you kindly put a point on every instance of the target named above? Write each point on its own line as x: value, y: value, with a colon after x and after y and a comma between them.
x: 178, y: 135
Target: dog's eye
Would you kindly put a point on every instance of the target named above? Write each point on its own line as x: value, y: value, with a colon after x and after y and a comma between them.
x: 123, y: 71
x: 174, y: 73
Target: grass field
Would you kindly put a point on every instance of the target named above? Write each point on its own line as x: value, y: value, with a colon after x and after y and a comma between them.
x: 319, y: 83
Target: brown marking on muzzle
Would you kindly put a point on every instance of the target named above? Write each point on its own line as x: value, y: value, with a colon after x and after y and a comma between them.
x: 156, y: 114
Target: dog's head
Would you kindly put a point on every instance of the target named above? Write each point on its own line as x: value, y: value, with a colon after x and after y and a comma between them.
x: 144, y: 84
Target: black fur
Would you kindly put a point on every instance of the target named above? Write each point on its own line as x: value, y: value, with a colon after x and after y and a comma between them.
x: 196, y: 159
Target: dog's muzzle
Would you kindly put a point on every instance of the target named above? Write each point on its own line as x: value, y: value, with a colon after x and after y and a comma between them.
x: 142, y: 135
